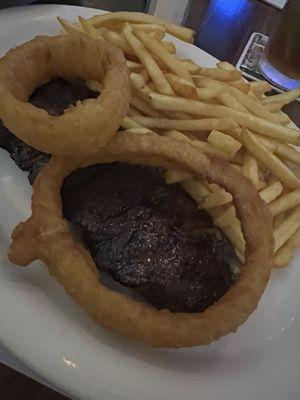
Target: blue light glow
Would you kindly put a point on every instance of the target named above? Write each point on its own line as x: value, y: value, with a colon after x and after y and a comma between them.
x: 277, y: 78
x: 229, y: 9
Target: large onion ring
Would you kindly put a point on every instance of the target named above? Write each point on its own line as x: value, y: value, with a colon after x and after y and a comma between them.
x: 46, y: 236
x: 93, y: 122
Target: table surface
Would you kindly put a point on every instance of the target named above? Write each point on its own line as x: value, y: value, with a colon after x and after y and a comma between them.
x: 222, y: 29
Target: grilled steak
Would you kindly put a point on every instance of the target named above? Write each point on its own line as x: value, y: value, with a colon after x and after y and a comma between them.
x: 26, y: 157
x: 148, y: 236
x: 54, y: 97
x: 61, y: 94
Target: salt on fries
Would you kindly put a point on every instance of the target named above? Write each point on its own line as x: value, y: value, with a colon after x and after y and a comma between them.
x: 215, y: 110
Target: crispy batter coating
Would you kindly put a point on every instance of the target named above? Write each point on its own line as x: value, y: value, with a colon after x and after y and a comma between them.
x: 93, y: 121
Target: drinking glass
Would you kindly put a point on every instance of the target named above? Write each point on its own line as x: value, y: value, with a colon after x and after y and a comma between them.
x: 281, y: 62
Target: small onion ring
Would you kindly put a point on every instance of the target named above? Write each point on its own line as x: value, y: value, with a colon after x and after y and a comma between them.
x: 46, y: 236
x: 93, y: 122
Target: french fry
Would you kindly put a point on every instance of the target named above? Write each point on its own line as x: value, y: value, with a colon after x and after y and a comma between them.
x: 234, y: 234
x: 208, y: 93
x: 207, y: 124
x: 287, y: 153
x: 253, y: 96
x: 278, y: 220
x: 88, y: 28
x: 271, y: 192
x: 153, y: 30
x: 137, y: 79
x: 169, y: 46
x: 200, y: 80
x: 148, y: 61
x: 116, y: 39
x: 182, y: 86
x: 235, y: 98
x: 253, y: 106
x: 144, y: 75
x: 195, y: 107
x: 260, y: 87
x: 216, y: 199
x: 250, y: 169
x: 140, y: 131
x: 190, y: 66
x: 94, y: 85
x: 174, y: 114
x: 228, y: 100
x: 195, y: 189
x: 275, y: 165
x: 273, y: 107
x: 129, y: 123
x: 142, y: 90
x: 282, y: 98
x: 134, y: 66
x: 70, y: 28
x: 202, y: 146
x: 287, y: 229
x: 176, y: 176
x: 213, y: 187
x: 261, y: 184
x: 285, y: 254
x: 283, y: 118
x: 158, y: 35
x: 226, y: 65
x: 221, y: 74
x: 156, y: 48
x: 285, y: 202
x: 173, y: 133
x: 223, y: 96
x: 207, y: 88
x: 181, y: 32
x: 132, y: 112
x: 236, y: 133
x: 114, y: 25
x: 105, y: 33
x: 223, y: 142
x: 226, y: 219
x: 282, y: 150
x: 144, y: 107
x: 149, y: 27
x: 241, y: 85
x: 215, y: 212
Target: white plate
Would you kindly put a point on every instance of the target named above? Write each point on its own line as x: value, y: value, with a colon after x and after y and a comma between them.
x: 49, y: 332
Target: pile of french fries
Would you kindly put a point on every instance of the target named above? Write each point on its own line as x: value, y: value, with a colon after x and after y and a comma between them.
x: 217, y: 111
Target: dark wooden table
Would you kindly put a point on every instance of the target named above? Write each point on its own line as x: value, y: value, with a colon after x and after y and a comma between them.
x: 222, y: 29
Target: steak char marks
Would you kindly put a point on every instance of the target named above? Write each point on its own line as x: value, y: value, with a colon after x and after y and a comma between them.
x: 148, y: 236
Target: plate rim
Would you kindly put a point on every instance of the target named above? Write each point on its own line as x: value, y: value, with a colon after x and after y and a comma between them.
x: 55, y: 381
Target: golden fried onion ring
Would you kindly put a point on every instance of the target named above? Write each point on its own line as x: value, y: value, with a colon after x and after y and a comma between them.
x: 93, y: 122
x: 46, y: 236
